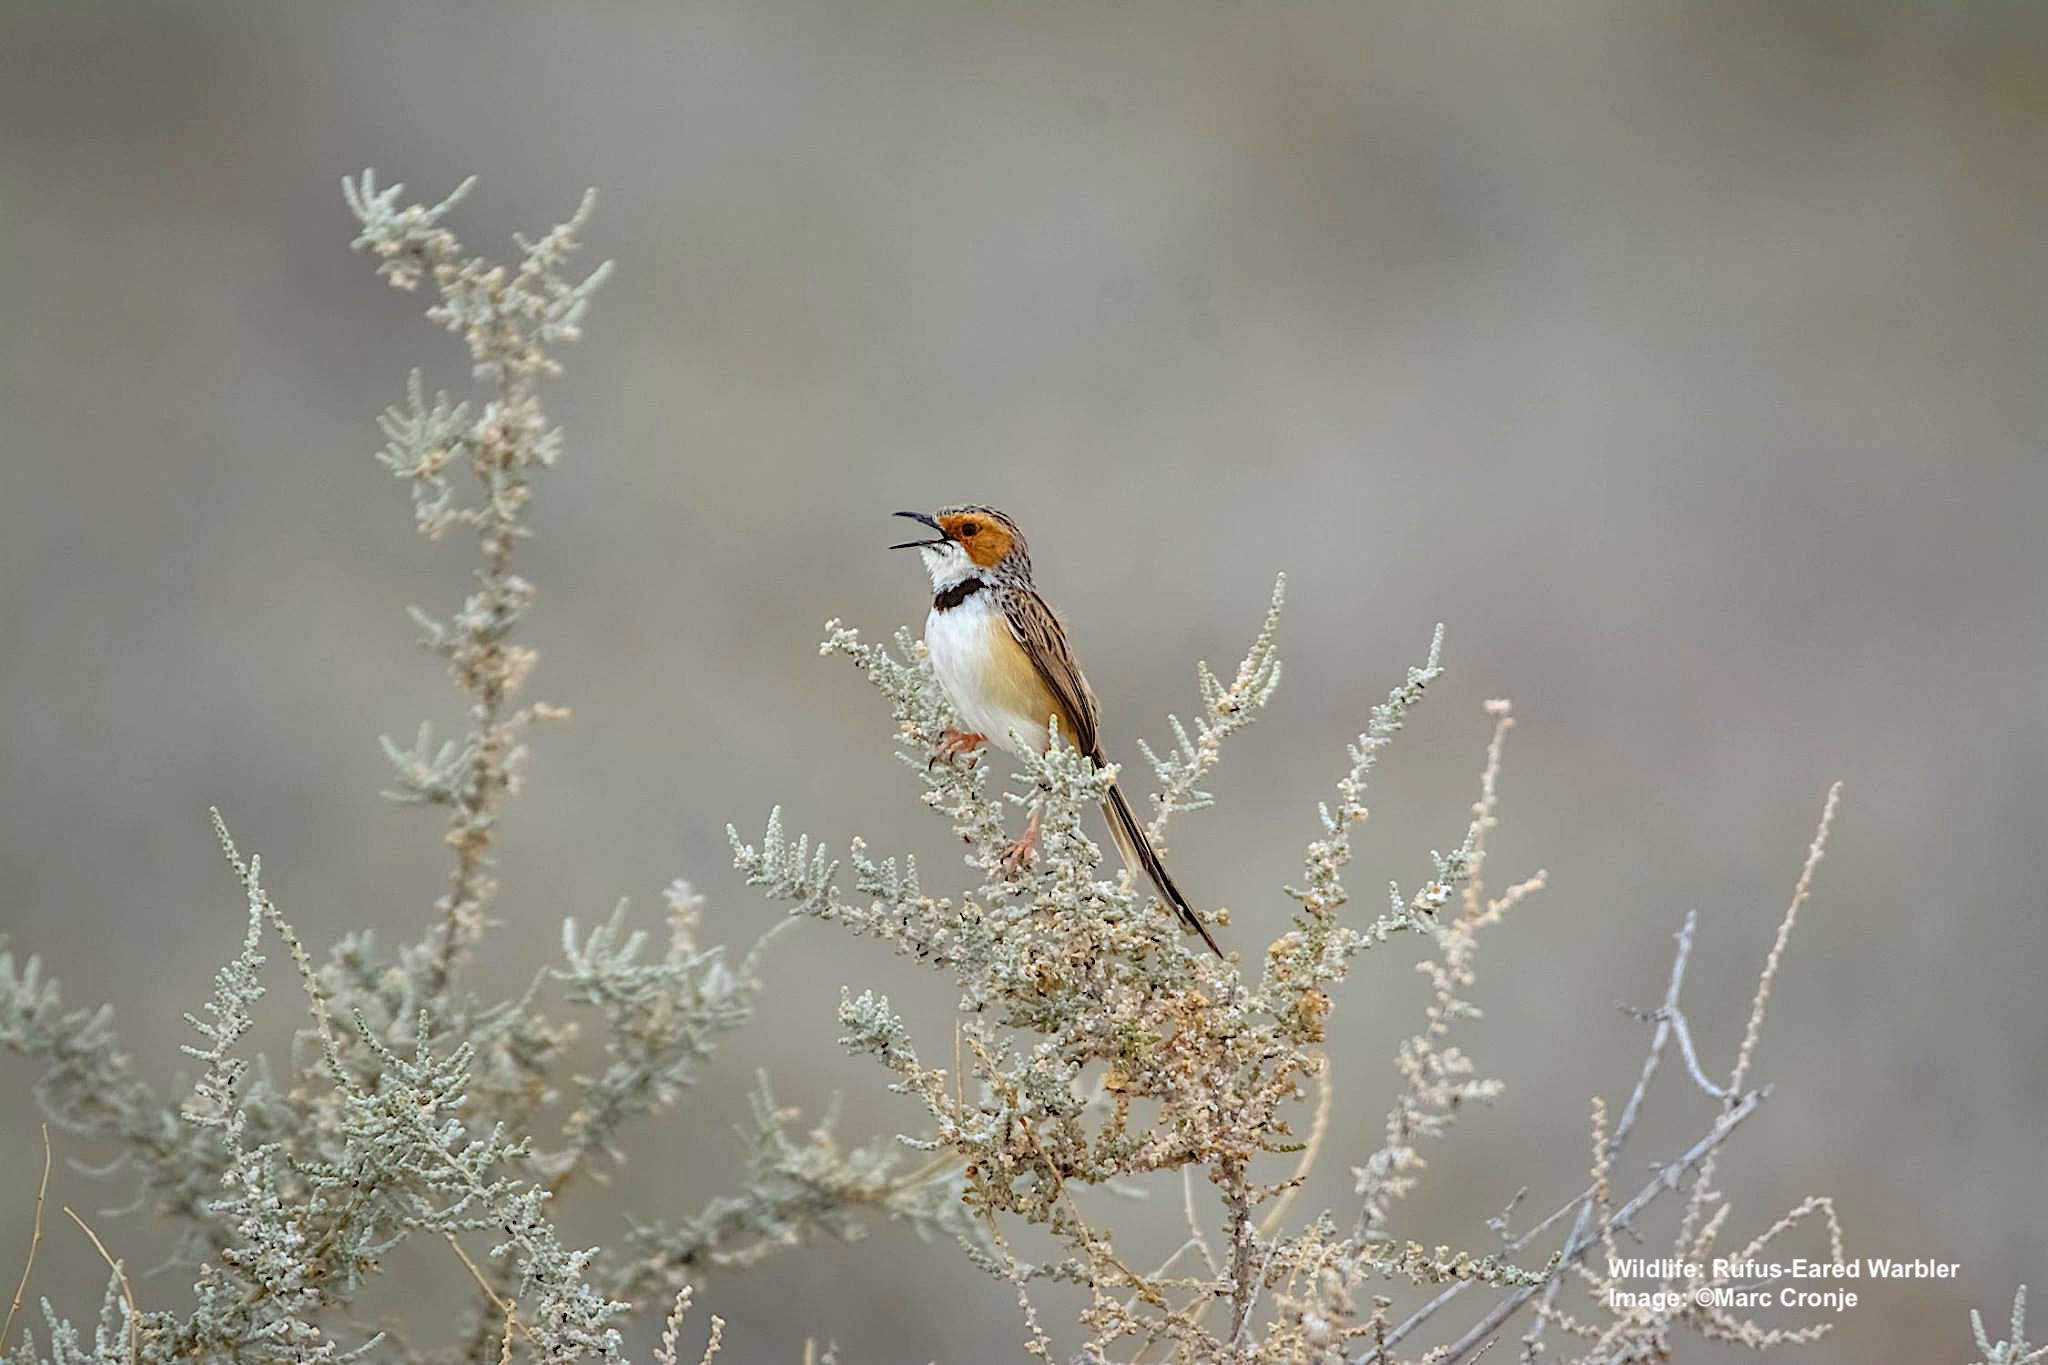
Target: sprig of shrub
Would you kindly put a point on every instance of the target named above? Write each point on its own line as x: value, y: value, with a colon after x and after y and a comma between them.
x: 410, y: 1118
x: 1094, y: 1049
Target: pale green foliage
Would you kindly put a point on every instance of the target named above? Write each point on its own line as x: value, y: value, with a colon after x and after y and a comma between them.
x: 798, y: 1189
x: 1440, y: 1078
x: 660, y: 1016
x: 90, y: 1090
x: 2014, y: 1350
x: 412, y: 1112
x: 111, y: 1342
x: 303, y: 1219
x: 511, y: 319
x: 1065, y: 974
x: 1093, y: 1049
x: 1225, y: 711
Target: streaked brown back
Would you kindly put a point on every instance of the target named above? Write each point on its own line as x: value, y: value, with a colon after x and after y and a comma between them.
x: 1045, y: 642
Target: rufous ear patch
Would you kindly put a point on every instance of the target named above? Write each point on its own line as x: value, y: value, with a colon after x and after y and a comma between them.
x: 985, y: 538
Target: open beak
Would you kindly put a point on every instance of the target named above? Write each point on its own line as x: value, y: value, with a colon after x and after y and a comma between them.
x: 921, y: 544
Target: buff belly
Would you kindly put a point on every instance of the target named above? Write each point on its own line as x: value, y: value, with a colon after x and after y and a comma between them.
x: 987, y: 675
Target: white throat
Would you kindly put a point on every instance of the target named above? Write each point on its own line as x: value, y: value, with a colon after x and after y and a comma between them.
x: 948, y: 564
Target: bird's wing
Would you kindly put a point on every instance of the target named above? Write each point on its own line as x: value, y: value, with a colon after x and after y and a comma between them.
x: 1044, y: 642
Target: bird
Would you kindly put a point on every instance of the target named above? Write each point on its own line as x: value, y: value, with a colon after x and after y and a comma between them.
x: 1003, y: 660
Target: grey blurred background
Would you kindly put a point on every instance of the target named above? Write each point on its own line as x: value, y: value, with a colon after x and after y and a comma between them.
x: 1684, y: 358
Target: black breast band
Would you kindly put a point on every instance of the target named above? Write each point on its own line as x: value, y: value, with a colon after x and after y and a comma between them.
x: 949, y: 598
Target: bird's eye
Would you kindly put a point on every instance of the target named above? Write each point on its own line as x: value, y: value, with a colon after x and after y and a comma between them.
x: 968, y: 529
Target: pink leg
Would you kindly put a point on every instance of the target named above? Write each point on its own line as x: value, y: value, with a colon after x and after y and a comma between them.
x: 957, y: 744
x: 1019, y: 853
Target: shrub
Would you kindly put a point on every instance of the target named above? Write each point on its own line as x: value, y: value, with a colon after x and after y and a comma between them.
x: 1092, y: 1048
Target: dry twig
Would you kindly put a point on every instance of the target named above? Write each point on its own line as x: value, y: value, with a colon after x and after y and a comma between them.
x: 35, y: 1240
x: 127, y: 1290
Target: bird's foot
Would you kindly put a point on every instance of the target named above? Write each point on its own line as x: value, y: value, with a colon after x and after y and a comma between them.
x: 1016, y: 855
x: 956, y: 744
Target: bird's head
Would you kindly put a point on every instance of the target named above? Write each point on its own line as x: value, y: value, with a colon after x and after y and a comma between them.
x: 968, y: 542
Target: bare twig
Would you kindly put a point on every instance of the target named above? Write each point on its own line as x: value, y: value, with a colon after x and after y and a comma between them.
x: 127, y: 1290
x: 1666, y: 1179
x: 1633, y: 1109
x: 1575, y: 1246
x: 35, y: 1239
x: 1697, y: 1203
x: 1503, y: 1222
x: 1195, y: 1233
x: 505, y: 1306
x: 1674, y: 1018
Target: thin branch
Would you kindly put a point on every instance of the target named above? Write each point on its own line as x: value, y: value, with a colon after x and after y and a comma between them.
x: 1814, y: 852
x: 1319, y: 1128
x: 672, y: 1327
x: 717, y: 1340
x: 1038, y: 1344
x: 1252, y: 1302
x: 1243, y: 1238
x: 127, y: 1290
x: 35, y: 1239
x: 1673, y: 985
x: 505, y: 1306
x: 1195, y: 1233
x: 1503, y: 1222
x: 1634, y: 1108
x: 1666, y: 1179
x: 1673, y: 1018
x: 1696, y: 1205
x: 1575, y: 1246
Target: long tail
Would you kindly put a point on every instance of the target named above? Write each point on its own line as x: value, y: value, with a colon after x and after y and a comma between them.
x: 1140, y: 856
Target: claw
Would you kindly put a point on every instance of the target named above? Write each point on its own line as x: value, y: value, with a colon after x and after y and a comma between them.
x: 954, y: 745
x: 1020, y: 852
